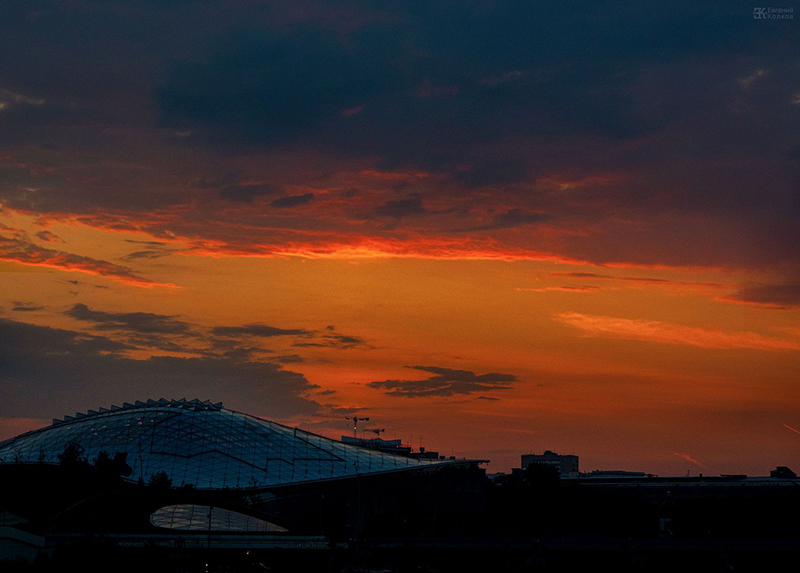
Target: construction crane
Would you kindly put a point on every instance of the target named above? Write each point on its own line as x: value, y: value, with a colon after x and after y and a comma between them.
x: 356, y: 420
x: 377, y: 431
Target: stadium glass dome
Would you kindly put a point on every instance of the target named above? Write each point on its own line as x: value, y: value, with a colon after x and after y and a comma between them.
x: 205, y: 445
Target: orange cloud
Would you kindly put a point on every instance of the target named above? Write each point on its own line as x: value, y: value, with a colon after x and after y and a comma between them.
x: 663, y: 332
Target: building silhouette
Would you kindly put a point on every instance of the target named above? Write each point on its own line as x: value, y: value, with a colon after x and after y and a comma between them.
x: 567, y: 465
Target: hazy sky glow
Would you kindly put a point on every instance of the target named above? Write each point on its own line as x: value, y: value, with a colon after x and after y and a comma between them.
x: 495, y: 227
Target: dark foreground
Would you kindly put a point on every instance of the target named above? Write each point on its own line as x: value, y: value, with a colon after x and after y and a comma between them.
x: 429, y: 555
x: 81, y: 519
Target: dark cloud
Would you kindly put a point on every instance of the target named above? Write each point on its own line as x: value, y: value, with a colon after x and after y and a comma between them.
x: 163, y: 342
x: 343, y: 340
x: 148, y: 254
x: 258, y: 330
x: 401, y: 208
x: 288, y: 359
x: 139, y: 322
x: 267, y: 88
x: 491, y: 99
x: 153, y: 250
x: 47, y: 372
x: 293, y: 200
x: 25, y: 307
x: 236, y: 343
x: 152, y: 244
x: 445, y: 382
x: 517, y: 217
x: 245, y: 193
x: 332, y: 339
x: 343, y: 411
x: 21, y: 338
x: 513, y: 218
x: 492, y: 171
x: 229, y: 337
x: 651, y: 280
x: 76, y: 283
x: 583, y: 275
x: 49, y: 237
x: 237, y: 351
x: 785, y: 295
x: 434, y: 81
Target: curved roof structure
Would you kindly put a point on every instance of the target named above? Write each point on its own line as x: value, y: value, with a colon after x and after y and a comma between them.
x: 205, y: 445
x: 191, y: 517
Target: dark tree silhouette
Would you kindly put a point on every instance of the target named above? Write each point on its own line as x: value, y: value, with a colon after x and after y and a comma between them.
x: 160, y: 480
x: 73, y: 455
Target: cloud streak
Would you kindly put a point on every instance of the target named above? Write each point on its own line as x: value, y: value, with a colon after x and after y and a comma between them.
x: 446, y: 382
x: 788, y: 427
x: 565, y: 288
x: 26, y: 307
x: 690, y: 459
x: 19, y: 250
x: 667, y: 333
x: 258, y: 330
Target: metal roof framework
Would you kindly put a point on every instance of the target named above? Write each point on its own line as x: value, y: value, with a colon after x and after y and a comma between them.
x: 200, y: 443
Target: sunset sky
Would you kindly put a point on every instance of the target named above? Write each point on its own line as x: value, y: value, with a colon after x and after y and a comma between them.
x: 491, y: 227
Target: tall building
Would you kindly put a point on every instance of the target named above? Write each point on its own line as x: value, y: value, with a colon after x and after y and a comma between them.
x: 567, y: 465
